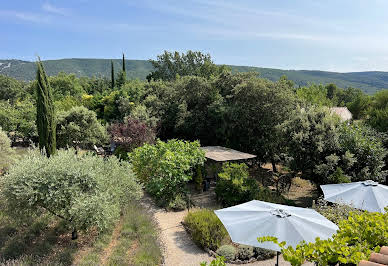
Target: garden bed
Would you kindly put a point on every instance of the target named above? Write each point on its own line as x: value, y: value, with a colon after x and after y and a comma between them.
x: 208, y: 233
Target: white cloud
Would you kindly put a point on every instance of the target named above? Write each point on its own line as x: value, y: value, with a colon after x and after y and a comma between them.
x: 24, y: 16
x: 55, y: 10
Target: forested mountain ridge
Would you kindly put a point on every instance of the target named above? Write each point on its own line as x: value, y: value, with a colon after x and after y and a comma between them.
x: 369, y: 82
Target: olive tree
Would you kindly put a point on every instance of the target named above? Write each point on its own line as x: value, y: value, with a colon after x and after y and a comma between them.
x: 85, y: 191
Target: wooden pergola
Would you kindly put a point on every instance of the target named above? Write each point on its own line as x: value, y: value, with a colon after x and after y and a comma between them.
x: 222, y: 154
x: 217, y: 155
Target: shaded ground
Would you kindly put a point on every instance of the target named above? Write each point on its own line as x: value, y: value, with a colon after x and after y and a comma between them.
x: 301, y: 191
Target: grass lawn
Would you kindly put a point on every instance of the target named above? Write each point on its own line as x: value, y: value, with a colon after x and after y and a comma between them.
x: 47, y: 241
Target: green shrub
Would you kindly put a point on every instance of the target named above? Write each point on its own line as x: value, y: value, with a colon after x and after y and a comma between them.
x: 79, y: 127
x: 198, y: 179
x: 121, y: 153
x: 228, y: 252
x: 7, y: 154
x: 166, y: 167
x: 334, y: 212
x: 179, y: 203
x: 219, y: 261
x: 83, y: 190
x: 266, y: 194
x: 245, y: 252
x: 339, y: 177
x: 234, y: 185
x: 205, y: 228
x: 263, y: 254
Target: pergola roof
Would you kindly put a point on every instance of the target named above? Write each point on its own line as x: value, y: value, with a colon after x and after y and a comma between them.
x: 222, y: 154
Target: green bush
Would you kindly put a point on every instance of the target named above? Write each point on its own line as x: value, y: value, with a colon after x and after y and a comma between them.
x: 7, y: 154
x: 205, y: 228
x: 339, y: 177
x: 219, y: 261
x: 245, y: 252
x: 179, y: 203
x: 229, y: 252
x: 121, y: 153
x: 368, y: 151
x: 79, y: 127
x: 234, y: 185
x: 266, y: 194
x: 357, y: 237
x: 198, y: 179
x: 83, y: 190
x: 334, y: 212
x: 263, y: 254
x: 166, y: 167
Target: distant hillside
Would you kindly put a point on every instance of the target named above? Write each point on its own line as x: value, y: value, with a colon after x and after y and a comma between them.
x: 25, y: 70
x: 370, y: 82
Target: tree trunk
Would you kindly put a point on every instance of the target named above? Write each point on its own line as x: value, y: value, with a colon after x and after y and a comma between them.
x: 274, y: 169
x: 74, y: 234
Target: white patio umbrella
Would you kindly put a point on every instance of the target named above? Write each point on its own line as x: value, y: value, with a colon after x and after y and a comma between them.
x: 365, y: 195
x: 248, y: 221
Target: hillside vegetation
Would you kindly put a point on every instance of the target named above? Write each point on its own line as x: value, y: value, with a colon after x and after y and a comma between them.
x: 369, y: 82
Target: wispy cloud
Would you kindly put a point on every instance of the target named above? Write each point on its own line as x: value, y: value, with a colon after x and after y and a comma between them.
x: 55, y: 10
x: 228, y: 20
x: 24, y: 16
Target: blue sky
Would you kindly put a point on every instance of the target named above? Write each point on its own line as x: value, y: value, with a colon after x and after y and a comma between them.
x: 334, y: 35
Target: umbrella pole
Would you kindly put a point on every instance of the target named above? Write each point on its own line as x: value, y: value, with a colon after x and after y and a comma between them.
x: 277, y: 258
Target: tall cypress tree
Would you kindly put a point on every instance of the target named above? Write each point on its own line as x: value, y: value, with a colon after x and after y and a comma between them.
x: 112, y: 75
x: 123, y: 63
x: 122, y: 77
x: 45, y: 120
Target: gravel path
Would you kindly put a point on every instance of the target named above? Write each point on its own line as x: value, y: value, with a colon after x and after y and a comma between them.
x: 178, y: 248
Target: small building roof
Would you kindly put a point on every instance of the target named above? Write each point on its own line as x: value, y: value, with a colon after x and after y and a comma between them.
x: 222, y: 154
x: 342, y: 112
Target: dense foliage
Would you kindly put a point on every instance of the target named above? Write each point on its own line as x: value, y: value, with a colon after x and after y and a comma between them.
x: 229, y: 252
x: 334, y: 212
x: 170, y: 65
x: 219, y: 261
x: 7, y: 154
x: 235, y: 186
x: 131, y: 134
x: 378, y: 115
x: 166, y: 167
x: 368, y: 152
x: 45, y: 117
x: 205, y: 228
x: 254, y: 109
x: 79, y: 127
x: 11, y: 89
x: 357, y: 237
x: 193, y: 99
x: 327, y: 151
x: 370, y: 82
x: 83, y: 190
x: 18, y: 119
